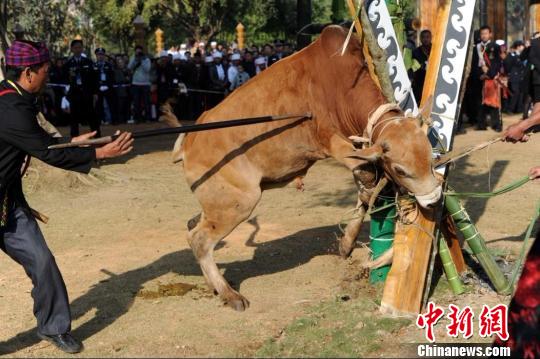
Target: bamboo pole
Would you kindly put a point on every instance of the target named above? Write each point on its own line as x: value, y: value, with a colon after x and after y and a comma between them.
x: 477, y: 244
x: 359, y: 32
x: 380, y: 61
x: 450, y: 268
x: 449, y: 232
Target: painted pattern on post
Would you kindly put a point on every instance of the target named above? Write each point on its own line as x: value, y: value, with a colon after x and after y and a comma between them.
x: 383, y: 29
x: 450, y: 76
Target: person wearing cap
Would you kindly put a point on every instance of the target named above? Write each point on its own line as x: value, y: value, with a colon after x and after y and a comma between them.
x: 205, y: 80
x: 105, y: 76
x: 232, y: 71
x: 79, y: 70
x: 27, y: 65
x: 218, y: 79
x: 202, y: 48
x: 260, y: 64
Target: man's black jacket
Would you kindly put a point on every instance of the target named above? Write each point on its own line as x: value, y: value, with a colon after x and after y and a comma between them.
x: 534, y: 61
x: 21, y: 135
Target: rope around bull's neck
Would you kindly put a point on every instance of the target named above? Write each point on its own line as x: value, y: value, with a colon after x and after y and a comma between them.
x: 374, y: 120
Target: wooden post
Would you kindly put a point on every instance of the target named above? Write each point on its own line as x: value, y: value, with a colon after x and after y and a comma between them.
x: 428, y: 14
x: 413, y: 244
x: 434, y: 61
x: 496, y: 18
x: 534, y: 19
x: 406, y: 281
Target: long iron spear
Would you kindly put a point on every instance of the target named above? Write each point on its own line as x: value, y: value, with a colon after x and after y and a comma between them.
x: 185, y: 129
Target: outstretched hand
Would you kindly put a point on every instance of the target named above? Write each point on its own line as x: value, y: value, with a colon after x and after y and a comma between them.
x: 534, y: 173
x: 515, y: 133
x: 119, y: 147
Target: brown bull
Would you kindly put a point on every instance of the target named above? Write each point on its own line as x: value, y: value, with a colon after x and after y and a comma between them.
x: 228, y: 169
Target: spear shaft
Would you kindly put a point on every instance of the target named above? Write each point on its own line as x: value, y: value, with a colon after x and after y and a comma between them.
x: 185, y: 129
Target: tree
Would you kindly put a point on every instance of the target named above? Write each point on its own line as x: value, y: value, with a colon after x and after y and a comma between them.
x: 112, y: 20
x: 42, y: 20
x: 200, y: 19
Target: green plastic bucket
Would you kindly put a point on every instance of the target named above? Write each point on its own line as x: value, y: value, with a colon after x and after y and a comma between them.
x: 381, y: 235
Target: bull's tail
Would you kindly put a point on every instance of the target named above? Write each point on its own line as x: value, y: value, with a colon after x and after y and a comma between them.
x: 385, y: 259
x: 170, y: 119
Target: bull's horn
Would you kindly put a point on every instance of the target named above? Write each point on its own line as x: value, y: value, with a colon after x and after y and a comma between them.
x: 358, y: 139
x: 385, y: 259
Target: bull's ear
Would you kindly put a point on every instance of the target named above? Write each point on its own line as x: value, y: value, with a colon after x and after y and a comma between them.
x: 370, y: 154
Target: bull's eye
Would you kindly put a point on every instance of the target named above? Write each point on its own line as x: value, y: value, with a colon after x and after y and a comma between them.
x: 400, y: 171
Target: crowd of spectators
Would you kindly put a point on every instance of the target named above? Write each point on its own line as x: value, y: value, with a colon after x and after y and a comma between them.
x: 115, y: 89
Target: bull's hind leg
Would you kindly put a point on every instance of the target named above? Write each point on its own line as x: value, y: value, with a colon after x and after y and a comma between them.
x: 219, y: 218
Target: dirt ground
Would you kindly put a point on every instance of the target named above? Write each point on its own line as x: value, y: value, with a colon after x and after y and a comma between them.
x: 120, y: 239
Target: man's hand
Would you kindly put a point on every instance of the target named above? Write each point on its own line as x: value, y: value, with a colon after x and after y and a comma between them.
x: 534, y: 173
x: 515, y: 133
x: 119, y: 147
x: 84, y: 137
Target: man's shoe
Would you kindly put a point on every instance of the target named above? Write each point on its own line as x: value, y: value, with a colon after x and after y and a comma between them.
x: 65, y: 342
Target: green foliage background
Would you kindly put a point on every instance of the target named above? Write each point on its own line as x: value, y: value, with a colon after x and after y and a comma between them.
x: 108, y: 23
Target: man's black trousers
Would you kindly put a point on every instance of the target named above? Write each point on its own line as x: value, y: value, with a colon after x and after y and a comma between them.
x: 23, y: 241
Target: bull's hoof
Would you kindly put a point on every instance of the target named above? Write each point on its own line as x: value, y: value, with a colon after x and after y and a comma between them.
x: 237, y: 302
x: 346, y: 247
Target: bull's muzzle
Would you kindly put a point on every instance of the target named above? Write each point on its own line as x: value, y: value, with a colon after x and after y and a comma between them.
x: 429, y: 199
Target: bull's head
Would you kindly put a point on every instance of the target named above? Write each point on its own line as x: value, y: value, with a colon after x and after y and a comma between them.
x: 402, y: 149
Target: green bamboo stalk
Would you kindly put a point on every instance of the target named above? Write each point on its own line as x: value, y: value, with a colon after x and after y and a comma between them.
x: 477, y: 244
x: 449, y: 267
x: 381, y: 235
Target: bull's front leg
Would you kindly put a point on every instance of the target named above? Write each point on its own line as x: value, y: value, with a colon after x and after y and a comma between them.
x: 365, y: 177
x: 348, y: 241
